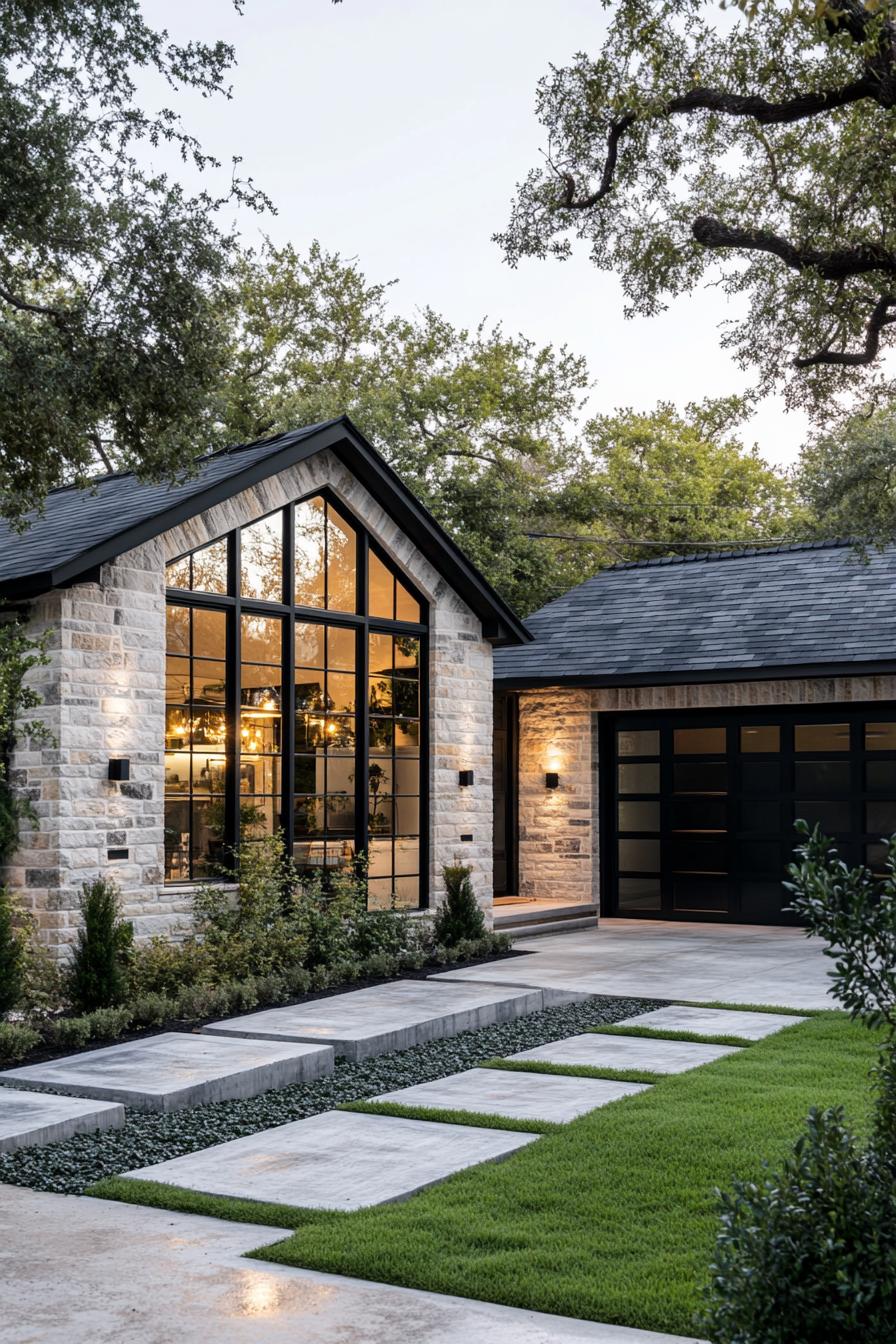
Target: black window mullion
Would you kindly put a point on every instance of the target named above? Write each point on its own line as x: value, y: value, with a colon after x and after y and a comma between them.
x: 288, y: 686
x: 362, y: 720
x: 232, y: 701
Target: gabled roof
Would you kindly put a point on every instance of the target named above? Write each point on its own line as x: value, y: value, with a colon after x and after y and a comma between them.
x: 81, y: 529
x: 816, y: 608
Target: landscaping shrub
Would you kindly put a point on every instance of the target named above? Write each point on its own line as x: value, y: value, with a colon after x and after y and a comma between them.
x: 107, y: 1024
x: 98, y: 977
x: 459, y: 917
x: 12, y: 955
x: 809, y: 1256
x: 163, y: 967
x: 151, y: 1010
x: 15, y: 1041
x: 67, y: 1033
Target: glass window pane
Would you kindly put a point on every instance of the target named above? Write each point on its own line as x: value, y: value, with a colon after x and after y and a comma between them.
x: 177, y: 839
x: 309, y: 774
x: 178, y: 629
x: 763, y: 900
x: 209, y: 727
x: 340, y: 818
x: 380, y: 655
x: 699, y: 741
x: 380, y: 588
x: 407, y: 608
x: 821, y: 737
x: 311, y: 732
x: 833, y: 818
x: 693, y: 853
x: 209, y: 682
x: 341, y: 692
x: 379, y: 893
x: 407, y: 774
x: 407, y: 655
x: 822, y: 777
x: 379, y: 859
x: 260, y: 687
x: 766, y: 737
x: 340, y: 729
x: 261, y: 559
x: 382, y: 735
x: 406, y: 892
x: 406, y: 812
x: 308, y: 815
x: 205, y: 848
x: 210, y: 568
x: 309, y: 644
x: 340, y: 648
x: 340, y: 773
x: 639, y: 816
x: 177, y: 680
x: 341, y: 564
x: 406, y: 699
x: 379, y: 696
x: 880, y: 736
x: 760, y: 856
x: 177, y: 573
x: 760, y: 814
x: 699, y: 814
x: 209, y: 634
x: 700, y: 893
x: 407, y: 855
x: 639, y: 893
x: 880, y: 817
x: 641, y: 742
x: 876, y: 858
x: 700, y: 777
x: 261, y: 639
x: 379, y: 816
x: 760, y: 776
x: 309, y: 690
x: 407, y: 737
x: 380, y: 776
x: 310, y: 533
x: 639, y: 855
x: 880, y: 776
x: 641, y: 778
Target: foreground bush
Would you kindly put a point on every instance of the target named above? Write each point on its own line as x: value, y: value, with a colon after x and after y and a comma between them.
x: 98, y: 977
x: 12, y: 955
x: 809, y: 1256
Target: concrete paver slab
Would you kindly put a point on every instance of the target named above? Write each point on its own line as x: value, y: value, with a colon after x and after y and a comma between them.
x: 83, y: 1271
x: 177, y: 1069
x: 628, y: 1052
x: 521, y: 1096
x: 713, y: 1021
x: 336, y: 1160
x: 737, y: 963
x: 30, y: 1118
x: 396, y: 1016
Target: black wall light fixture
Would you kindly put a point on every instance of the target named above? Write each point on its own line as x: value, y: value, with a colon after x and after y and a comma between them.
x: 120, y: 768
x: 551, y: 779
x: 465, y: 778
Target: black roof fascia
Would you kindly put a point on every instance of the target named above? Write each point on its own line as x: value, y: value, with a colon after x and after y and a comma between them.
x: 696, y: 676
x: 500, y: 623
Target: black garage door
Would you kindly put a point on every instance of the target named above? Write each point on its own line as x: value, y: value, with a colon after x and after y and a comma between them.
x: 703, y: 805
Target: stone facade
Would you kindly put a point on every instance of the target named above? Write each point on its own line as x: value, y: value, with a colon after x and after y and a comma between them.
x: 559, y: 832
x: 103, y: 694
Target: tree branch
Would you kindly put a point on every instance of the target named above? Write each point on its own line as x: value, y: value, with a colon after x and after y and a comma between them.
x: 25, y: 307
x: 881, y: 317
x: 837, y: 264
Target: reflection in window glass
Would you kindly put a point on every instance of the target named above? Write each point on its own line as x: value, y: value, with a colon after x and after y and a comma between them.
x: 640, y: 778
x: 821, y: 737
x: 261, y: 559
x: 177, y: 573
x: 700, y: 777
x: 261, y: 709
x: 393, y: 770
x: 310, y: 553
x: 699, y: 741
x: 764, y: 737
x: 880, y: 736
x: 341, y: 564
x: 639, y: 893
x: 639, y: 856
x: 380, y: 588
x: 639, y: 816
x: 641, y: 742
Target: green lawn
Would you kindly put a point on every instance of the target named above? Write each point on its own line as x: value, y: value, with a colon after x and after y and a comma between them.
x: 610, y: 1218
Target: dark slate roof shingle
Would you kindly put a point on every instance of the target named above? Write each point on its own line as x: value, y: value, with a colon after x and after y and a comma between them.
x: 820, y: 604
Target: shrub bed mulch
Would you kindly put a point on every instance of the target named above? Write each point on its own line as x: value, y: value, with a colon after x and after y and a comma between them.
x: 71, y: 1166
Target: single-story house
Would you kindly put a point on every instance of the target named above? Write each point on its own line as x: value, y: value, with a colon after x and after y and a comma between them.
x: 285, y: 640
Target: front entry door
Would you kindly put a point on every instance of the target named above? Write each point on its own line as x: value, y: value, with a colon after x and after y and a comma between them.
x: 504, y: 794
x: 702, y: 805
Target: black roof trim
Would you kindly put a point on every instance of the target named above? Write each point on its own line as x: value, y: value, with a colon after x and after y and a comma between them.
x: 500, y: 623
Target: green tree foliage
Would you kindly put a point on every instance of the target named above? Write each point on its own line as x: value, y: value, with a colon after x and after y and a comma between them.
x: 459, y: 916
x: 755, y: 147
x: 110, y: 273
x: 847, y: 477
x: 12, y: 955
x: 486, y: 428
x: 98, y: 976
x: 19, y: 653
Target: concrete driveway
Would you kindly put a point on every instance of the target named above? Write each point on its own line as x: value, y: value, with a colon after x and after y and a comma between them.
x: 734, y: 963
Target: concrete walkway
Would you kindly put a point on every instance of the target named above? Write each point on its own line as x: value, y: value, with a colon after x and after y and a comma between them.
x: 733, y: 963
x: 82, y: 1271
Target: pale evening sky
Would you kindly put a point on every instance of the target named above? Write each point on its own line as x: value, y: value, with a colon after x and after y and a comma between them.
x: 394, y: 131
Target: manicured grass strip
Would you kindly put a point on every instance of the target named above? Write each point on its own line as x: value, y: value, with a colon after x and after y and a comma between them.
x: 157, y: 1195
x: 574, y: 1070
x: 662, y: 1034
x: 478, y: 1119
x: 612, y: 1217
x: 749, y: 1007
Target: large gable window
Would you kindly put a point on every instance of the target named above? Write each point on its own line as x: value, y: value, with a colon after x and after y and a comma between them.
x: 296, y: 702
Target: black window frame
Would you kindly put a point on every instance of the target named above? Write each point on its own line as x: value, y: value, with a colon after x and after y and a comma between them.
x: 235, y: 606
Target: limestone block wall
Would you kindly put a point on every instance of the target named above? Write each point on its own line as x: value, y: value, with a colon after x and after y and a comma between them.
x: 557, y: 828
x: 103, y: 697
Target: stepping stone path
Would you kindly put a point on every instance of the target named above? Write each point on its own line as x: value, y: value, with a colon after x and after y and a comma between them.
x: 713, y: 1021
x: 397, y: 1016
x: 177, y: 1069
x: 337, y: 1160
x: 521, y: 1096
x: 627, y: 1052
x: 29, y: 1118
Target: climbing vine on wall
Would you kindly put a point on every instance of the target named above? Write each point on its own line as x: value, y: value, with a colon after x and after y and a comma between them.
x: 19, y: 652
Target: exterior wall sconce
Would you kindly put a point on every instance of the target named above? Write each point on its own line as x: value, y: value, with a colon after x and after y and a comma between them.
x: 120, y: 768
x: 551, y: 780
x: 465, y: 778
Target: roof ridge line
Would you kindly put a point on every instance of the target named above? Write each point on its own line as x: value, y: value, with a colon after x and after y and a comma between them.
x: 739, y: 553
